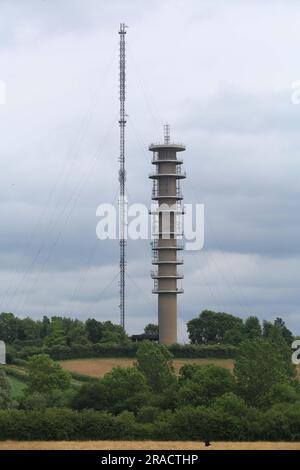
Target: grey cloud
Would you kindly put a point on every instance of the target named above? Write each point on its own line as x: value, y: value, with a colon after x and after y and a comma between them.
x: 225, y: 93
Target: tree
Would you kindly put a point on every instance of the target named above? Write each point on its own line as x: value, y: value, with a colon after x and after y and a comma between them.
x: 260, y: 365
x: 284, y: 351
x: 252, y: 328
x: 151, y: 329
x: 155, y: 362
x: 45, y: 326
x: 195, y: 423
x: 148, y: 414
x: 126, y: 388
x: 232, y: 404
x: 280, y: 327
x: 267, y: 327
x: 210, y: 327
x: 119, y: 390
x: 57, y: 335
x: 77, y: 334
x: 9, y: 325
x: 105, y: 332
x: 45, y: 375
x: 33, y: 401
x: 92, y: 395
x: 234, y: 336
x: 201, y: 385
x: 6, y: 400
x: 113, y: 333
x: 95, y: 330
x: 285, y: 332
x: 284, y: 393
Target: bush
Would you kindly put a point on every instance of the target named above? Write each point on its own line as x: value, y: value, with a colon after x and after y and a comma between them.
x: 199, y: 423
x: 202, y: 385
x: 194, y: 351
x: 121, y: 389
x: 224, y: 421
x: 19, y: 362
x: 148, y: 414
x: 91, y: 396
x: 260, y: 366
x: 82, y: 378
x: 52, y: 399
x: 45, y: 375
x: 127, y: 350
x: 64, y: 424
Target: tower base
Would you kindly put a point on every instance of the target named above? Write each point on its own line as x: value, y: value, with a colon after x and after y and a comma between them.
x: 167, y: 318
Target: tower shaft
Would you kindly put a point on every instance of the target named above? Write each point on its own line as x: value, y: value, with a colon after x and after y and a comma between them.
x: 167, y: 193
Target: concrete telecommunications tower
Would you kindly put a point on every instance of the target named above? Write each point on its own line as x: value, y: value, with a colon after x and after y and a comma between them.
x: 166, y: 192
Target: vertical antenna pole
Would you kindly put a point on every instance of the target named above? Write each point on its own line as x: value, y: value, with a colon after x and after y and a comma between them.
x: 166, y: 133
x: 122, y: 173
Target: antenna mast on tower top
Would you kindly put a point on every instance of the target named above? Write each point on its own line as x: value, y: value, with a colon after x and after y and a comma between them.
x: 122, y: 173
x: 166, y: 133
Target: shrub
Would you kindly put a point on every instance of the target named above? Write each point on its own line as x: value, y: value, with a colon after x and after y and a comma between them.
x: 45, y: 375
x: 194, y: 351
x: 122, y: 389
x: 82, y: 378
x: 201, y: 385
x: 148, y: 414
x: 223, y: 421
x: 260, y: 366
x: 91, y: 396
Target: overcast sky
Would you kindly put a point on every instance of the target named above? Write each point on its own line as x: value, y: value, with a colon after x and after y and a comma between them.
x: 221, y: 74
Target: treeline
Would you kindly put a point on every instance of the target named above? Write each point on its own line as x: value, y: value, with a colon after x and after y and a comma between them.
x: 61, y: 337
x: 258, y: 400
x: 57, y: 331
x: 65, y: 338
x: 128, y: 350
x: 199, y: 424
x: 222, y: 328
x: 212, y: 334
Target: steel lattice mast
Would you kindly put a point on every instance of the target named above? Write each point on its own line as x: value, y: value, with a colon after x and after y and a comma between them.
x: 122, y: 173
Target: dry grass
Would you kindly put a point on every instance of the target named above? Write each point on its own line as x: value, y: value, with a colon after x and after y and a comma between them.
x: 99, y: 367
x: 145, y: 445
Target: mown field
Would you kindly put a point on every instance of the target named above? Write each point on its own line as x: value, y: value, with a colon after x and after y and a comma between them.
x: 17, y: 386
x: 145, y: 445
x: 99, y: 367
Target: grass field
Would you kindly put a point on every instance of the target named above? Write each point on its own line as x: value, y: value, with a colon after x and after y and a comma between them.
x: 145, y: 445
x: 17, y: 386
x: 99, y: 367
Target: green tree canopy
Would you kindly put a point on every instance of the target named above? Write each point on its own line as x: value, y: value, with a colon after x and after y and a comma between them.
x: 201, y: 385
x: 252, y: 328
x: 126, y: 389
x: 92, y: 396
x: 210, y: 327
x: 151, y: 329
x: 260, y: 365
x: 119, y: 390
x: 45, y: 375
x: 156, y: 363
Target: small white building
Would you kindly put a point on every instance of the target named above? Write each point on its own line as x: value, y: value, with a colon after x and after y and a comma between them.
x: 2, y: 353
